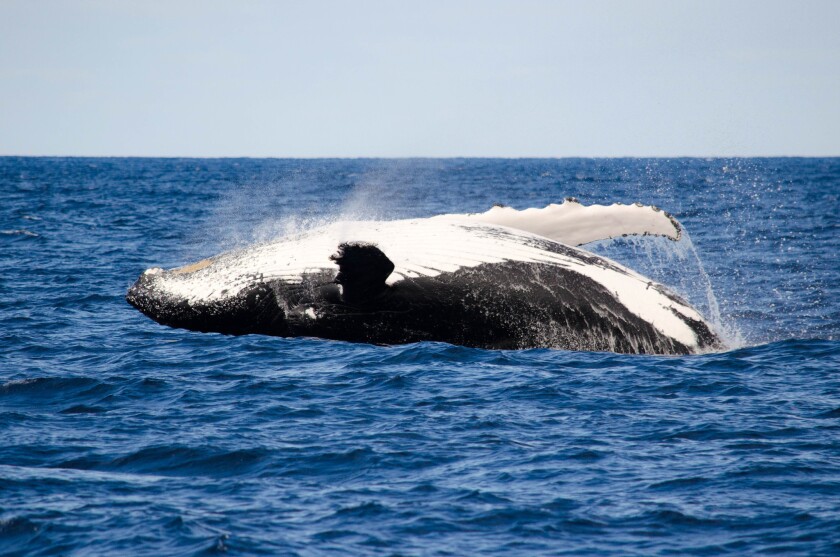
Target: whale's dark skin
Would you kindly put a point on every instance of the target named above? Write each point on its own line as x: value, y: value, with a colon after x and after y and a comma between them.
x: 508, y: 304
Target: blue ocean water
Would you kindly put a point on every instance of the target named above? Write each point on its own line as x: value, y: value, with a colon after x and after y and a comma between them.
x: 119, y: 436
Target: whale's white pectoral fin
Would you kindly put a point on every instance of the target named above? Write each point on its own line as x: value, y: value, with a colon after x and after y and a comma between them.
x: 574, y: 224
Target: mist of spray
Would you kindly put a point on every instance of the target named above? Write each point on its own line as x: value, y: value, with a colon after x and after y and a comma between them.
x: 678, y: 266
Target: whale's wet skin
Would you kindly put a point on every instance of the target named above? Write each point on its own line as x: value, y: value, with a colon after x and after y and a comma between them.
x: 501, y: 279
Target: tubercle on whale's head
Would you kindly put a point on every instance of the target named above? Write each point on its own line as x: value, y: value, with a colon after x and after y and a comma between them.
x: 177, y: 299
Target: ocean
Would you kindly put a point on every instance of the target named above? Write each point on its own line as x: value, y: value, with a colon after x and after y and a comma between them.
x: 119, y: 436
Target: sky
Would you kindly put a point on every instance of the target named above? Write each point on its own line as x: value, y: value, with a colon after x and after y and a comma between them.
x: 420, y: 78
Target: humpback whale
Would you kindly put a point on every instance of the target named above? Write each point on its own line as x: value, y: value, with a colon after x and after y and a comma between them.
x: 505, y: 278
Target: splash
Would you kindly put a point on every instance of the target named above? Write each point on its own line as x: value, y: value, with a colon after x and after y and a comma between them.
x: 727, y: 329
x: 677, y: 265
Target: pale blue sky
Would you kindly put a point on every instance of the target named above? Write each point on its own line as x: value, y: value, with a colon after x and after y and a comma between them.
x: 483, y: 78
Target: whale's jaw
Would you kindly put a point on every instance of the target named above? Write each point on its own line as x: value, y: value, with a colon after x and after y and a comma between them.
x: 251, y: 310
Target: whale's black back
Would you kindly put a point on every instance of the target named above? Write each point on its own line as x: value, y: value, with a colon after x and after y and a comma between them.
x: 501, y: 305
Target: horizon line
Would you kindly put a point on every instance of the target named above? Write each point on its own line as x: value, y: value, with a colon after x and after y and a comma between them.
x: 420, y: 157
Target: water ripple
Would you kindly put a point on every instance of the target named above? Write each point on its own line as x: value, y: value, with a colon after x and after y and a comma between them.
x: 123, y: 437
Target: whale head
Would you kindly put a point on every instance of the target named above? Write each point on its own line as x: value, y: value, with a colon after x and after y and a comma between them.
x: 206, y: 297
